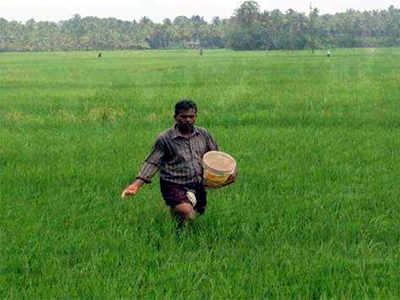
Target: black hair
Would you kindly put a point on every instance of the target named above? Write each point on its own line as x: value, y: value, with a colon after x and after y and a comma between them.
x: 183, y: 105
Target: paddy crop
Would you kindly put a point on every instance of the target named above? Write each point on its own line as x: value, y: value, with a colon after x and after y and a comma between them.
x: 314, y: 213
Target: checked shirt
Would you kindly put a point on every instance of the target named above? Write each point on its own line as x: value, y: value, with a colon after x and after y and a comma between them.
x: 178, y: 158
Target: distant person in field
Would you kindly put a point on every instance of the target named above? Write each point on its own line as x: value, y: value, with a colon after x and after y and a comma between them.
x: 177, y: 154
x: 328, y: 54
x: 201, y: 51
x: 99, y: 55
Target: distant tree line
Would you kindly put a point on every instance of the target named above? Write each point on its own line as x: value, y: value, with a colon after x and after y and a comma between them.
x: 249, y: 28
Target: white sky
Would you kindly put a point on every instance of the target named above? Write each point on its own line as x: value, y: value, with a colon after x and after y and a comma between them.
x: 157, y: 10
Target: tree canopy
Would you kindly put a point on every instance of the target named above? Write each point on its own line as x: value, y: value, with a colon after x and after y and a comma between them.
x: 248, y: 28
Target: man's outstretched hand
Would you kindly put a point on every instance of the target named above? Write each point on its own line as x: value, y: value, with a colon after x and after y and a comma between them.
x: 132, y: 189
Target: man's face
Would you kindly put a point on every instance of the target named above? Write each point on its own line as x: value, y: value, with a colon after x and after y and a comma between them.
x: 186, y: 119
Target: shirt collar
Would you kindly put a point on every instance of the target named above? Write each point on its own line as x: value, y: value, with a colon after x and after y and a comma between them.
x: 176, y: 133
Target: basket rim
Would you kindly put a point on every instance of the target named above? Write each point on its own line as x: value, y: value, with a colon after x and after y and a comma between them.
x: 221, y: 153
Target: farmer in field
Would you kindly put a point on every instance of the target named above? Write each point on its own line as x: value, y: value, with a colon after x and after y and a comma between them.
x: 177, y: 153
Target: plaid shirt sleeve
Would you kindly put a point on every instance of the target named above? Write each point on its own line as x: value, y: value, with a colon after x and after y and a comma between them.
x: 211, y: 143
x: 152, y: 162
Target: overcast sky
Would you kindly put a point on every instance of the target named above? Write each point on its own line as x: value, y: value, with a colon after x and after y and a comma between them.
x: 157, y: 10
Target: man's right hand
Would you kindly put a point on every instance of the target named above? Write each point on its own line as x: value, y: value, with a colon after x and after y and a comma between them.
x: 132, y: 189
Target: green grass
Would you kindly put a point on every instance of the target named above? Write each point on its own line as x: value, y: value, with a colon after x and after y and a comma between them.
x: 314, y: 213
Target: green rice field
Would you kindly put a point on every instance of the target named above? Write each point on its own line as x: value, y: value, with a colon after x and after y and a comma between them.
x: 314, y: 214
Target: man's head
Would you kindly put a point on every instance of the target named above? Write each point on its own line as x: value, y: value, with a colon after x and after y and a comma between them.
x: 185, y: 115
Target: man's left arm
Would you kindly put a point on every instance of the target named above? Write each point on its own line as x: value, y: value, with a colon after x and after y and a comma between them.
x: 211, y: 143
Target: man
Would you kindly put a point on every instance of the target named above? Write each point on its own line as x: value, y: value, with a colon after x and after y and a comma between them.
x: 177, y: 154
